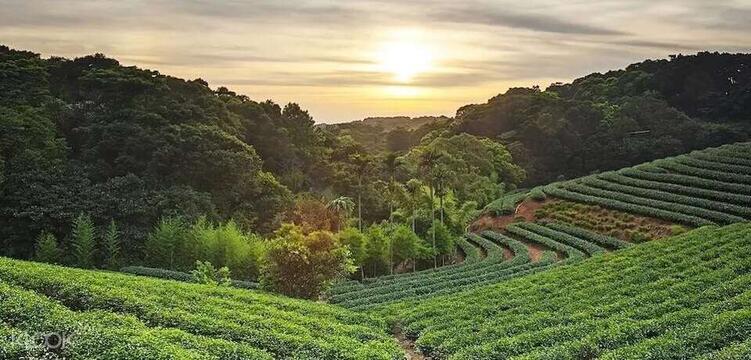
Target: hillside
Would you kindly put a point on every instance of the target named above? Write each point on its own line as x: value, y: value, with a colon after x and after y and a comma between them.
x: 683, y: 297
x: 114, y: 316
x: 562, y: 223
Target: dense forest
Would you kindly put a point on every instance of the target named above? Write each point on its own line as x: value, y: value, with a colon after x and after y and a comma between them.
x: 104, y: 165
x: 100, y: 158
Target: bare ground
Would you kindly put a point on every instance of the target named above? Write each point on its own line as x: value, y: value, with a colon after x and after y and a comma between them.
x: 408, y: 345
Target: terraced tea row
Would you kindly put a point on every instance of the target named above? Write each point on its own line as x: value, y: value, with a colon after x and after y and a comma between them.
x: 572, y: 244
x: 131, y: 317
x: 683, y: 297
x: 712, y: 186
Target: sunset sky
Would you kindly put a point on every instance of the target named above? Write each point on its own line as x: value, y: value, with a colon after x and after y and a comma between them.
x: 346, y: 60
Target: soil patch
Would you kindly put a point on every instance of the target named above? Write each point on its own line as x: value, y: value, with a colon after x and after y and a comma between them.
x: 525, y: 209
x: 408, y: 345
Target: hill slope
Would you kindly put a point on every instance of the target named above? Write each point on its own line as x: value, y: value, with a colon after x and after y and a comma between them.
x: 114, y: 316
x: 683, y: 297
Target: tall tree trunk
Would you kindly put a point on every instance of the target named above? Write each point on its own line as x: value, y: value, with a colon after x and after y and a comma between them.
x: 359, y: 203
x: 440, y: 198
x: 362, y: 273
x: 432, y: 224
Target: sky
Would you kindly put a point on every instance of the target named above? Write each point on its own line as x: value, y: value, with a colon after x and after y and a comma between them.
x: 350, y: 59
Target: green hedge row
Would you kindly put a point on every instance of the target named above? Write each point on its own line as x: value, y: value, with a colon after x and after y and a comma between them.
x: 674, y: 166
x: 520, y: 229
x: 471, y: 252
x: 555, y: 190
x: 584, y: 245
x: 99, y: 334
x: 472, y: 255
x: 178, y: 276
x: 714, y: 165
x: 697, y: 192
x: 708, y: 215
x: 602, y: 240
x: 281, y: 327
x: 687, y: 180
x: 714, y: 210
x: 683, y: 297
x: 432, y: 282
x: 491, y: 271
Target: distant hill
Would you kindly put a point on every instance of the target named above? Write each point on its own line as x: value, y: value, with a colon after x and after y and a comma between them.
x: 392, y: 133
x: 392, y: 122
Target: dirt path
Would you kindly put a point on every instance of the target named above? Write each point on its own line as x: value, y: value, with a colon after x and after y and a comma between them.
x: 525, y: 209
x: 408, y: 345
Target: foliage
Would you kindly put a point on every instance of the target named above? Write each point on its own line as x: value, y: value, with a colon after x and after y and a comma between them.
x: 83, y: 242
x: 304, y: 265
x: 179, y: 276
x: 676, y: 298
x: 207, y: 274
x: 474, y: 169
x: 444, y: 239
x: 313, y: 214
x: 616, y: 119
x: 506, y: 204
x: 377, y: 251
x: 117, y: 316
x: 598, y: 219
x: 111, y: 247
x: 404, y: 245
x: 686, y: 201
x: 356, y: 242
x: 162, y: 247
x: 47, y: 249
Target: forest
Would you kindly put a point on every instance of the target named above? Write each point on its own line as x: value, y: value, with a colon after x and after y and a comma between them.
x: 113, y: 167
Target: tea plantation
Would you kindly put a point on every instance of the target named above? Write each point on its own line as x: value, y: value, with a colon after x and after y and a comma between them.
x: 114, y: 316
x: 684, y: 297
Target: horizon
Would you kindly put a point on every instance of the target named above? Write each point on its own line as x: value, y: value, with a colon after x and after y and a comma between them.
x: 346, y: 62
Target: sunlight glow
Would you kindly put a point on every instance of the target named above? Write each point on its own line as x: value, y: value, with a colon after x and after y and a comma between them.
x: 404, y: 59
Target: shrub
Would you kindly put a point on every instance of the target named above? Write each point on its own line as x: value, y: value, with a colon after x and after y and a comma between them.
x: 304, y: 266
x: 207, y: 274
x: 47, y: 249
x: 537, y: 194
x: 678, y: 229
x: 639, y: 237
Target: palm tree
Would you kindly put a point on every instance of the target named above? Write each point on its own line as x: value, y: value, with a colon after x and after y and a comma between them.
x: 428, y: 160
x: 343, y: 206
x: 363, y: 167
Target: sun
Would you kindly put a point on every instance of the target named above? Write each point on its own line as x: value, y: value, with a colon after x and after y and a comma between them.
x: 404, y: 59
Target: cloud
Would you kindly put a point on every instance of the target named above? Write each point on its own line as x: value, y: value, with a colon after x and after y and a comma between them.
x: 513, y: 19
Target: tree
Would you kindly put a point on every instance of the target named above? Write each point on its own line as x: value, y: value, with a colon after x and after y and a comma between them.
x: 444, y: 240
x: 405, y: 244
x: 414, y: 198
x: 357, y: 243
x: 363, y: 166
x: 376, y: 251
x: 302, y: 265
x: 343, y: 206
x: 83, y: 241
x: 47, y: 249
x: 111, y: 246
x: 428, y: 160
x: 163, y: 244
